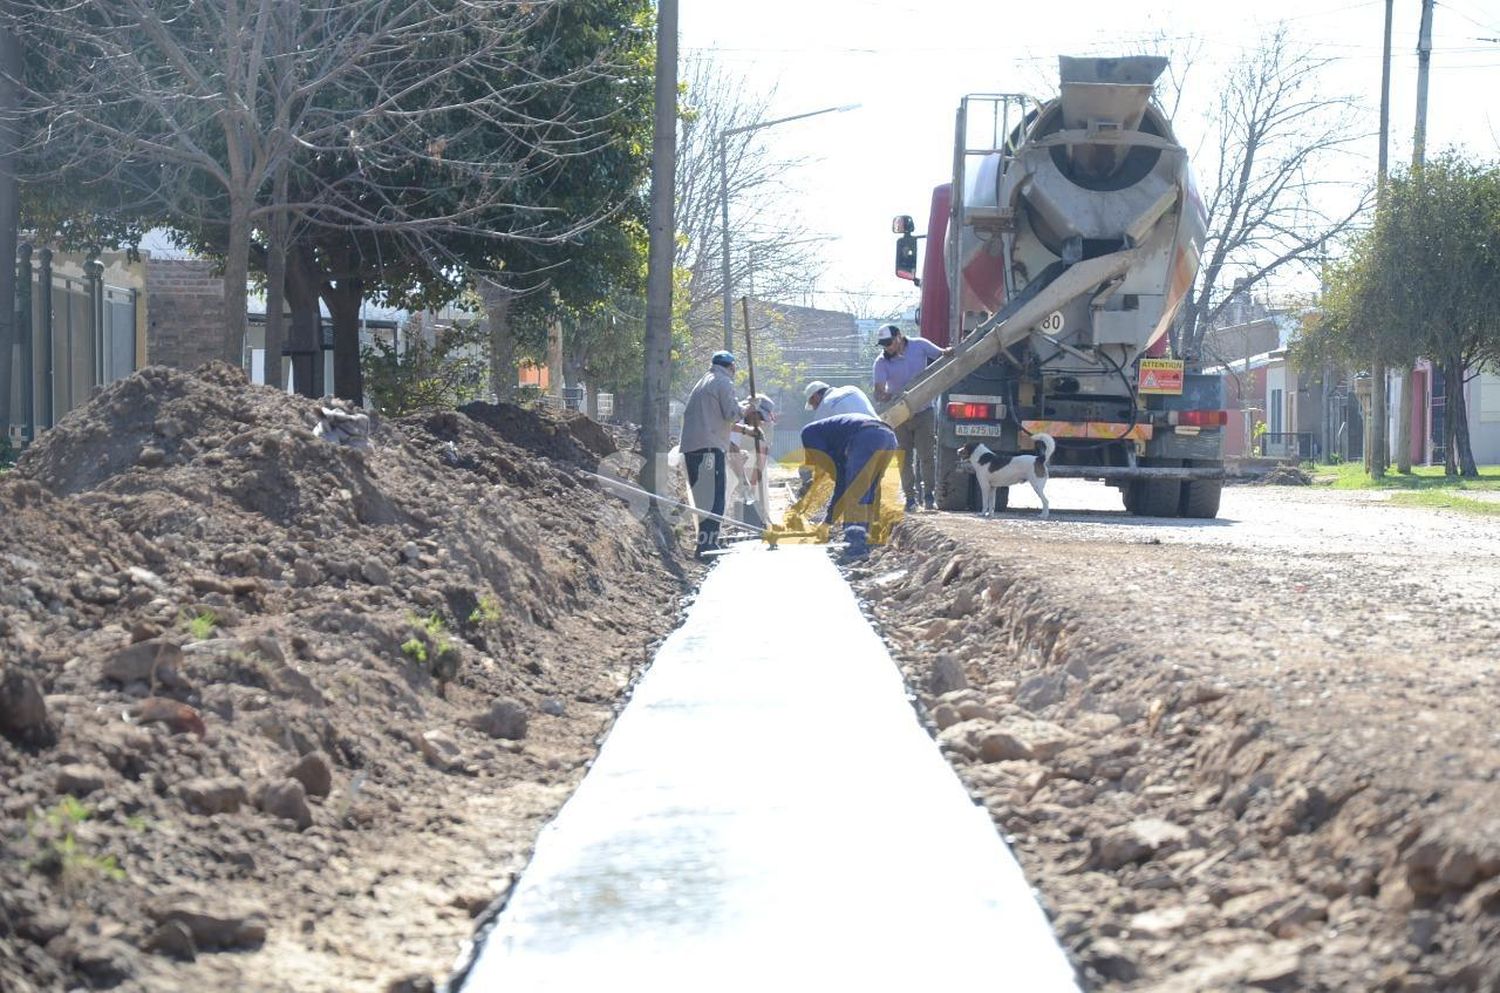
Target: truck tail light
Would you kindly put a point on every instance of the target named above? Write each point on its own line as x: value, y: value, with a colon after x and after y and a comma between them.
x: 1199, y: 418
x: 971, y: 411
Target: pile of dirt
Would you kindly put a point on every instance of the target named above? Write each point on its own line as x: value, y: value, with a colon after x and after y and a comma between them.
x: 1285, y: 475
x: 309, y: 703
x: 564, y: 435
x: 1185, y: 832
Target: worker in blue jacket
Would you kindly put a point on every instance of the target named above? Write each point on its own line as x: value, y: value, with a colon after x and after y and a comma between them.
x: 855, y: 450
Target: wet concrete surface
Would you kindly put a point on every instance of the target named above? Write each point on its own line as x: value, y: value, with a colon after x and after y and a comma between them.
x: 768, y: 813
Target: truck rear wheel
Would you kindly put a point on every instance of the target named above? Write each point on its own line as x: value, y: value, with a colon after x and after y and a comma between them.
x: 1200, y: 497
x: 1154, y: 497
x: 954, y: 486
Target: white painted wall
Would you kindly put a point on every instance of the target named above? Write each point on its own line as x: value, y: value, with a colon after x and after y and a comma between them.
x: 1484, y: 417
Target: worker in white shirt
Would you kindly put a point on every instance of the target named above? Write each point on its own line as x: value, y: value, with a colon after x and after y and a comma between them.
x: 825, y: 401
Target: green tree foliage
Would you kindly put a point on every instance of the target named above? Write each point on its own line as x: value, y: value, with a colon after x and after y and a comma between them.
x: 410, y: 138
x: 422, y: 375
x: 1422, y: 281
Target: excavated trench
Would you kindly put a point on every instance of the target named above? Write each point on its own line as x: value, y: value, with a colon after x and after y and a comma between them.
x: 1186, y: 830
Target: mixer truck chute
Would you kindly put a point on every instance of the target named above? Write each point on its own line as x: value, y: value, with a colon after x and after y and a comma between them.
x: 1056, y: 263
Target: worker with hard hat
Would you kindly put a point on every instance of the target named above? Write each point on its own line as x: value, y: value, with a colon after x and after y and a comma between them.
x: 712, y: 412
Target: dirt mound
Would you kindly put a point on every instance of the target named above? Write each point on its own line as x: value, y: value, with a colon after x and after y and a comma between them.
x: 251, y: 681
x: 1285, y: 475
x: 565, y: 436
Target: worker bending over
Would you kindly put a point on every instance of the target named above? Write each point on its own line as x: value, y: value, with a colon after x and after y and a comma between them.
x: 854, y: 451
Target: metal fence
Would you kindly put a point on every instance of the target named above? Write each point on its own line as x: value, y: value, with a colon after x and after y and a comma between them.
x: 1288, y: 445
x: 81, y: 335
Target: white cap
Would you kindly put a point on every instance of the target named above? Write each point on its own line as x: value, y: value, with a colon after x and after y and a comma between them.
x: 813, y: 389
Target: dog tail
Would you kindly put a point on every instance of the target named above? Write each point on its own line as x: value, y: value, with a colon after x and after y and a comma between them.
x: 1045, y: 446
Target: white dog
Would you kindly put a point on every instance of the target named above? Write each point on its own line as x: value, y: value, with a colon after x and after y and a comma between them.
x: 994, y: 471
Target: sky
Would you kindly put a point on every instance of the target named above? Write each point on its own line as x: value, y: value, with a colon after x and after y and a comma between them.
x: 908, y: 62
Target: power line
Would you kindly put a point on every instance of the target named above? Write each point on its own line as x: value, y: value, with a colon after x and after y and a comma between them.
x: 1487, y: 26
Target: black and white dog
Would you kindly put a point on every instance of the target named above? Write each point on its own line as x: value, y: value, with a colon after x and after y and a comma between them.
x: 994, y: 471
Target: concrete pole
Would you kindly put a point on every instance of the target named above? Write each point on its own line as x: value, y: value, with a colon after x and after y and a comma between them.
x: 1385, y: 98
x: 1424, y: 60
x: 657, y: 380
x: 1418, y: 155
x: 724, y: 248
x: 10, y: 71
x: 23, y: 335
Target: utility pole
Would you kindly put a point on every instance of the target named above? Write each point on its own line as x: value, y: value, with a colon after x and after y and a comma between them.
x: 10, y: 215
x: 1377, y: 450
x: 1418, y: 155
x: 1385, y: 98
x: 657, y: 379
x: 1424, y: 60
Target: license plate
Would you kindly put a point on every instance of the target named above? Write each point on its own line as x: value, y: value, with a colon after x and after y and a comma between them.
x: 978, y: 430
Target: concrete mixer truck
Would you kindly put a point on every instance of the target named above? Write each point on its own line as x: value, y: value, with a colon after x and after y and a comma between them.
x: 1055, y: 264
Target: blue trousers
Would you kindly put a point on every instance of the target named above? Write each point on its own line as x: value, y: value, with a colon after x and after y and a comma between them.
x: 868, y: 443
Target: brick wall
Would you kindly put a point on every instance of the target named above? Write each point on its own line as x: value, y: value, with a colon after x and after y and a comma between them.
x: 185, y: 308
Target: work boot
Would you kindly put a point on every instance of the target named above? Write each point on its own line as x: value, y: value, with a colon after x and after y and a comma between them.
x: 858, y: 546
x: 708, y: 541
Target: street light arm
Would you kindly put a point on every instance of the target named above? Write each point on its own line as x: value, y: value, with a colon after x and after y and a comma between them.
x: 783, y: 120
x: 728, y: 288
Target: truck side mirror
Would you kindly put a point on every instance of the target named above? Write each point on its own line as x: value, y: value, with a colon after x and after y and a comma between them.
x: 906, y: 258
x: 903, y: 224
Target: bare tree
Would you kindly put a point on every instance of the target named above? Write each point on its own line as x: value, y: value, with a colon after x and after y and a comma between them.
x: 870, y: 303
x: 771, y: 253
x: 1264, y: 173
x: 403, y: 119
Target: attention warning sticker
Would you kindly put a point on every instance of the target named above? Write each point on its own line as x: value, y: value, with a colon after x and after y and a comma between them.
x: 1161, y: 376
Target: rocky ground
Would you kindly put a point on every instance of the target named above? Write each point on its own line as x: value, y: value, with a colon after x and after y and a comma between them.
x: 1257, y: 753
x: 280, y: 713
x: 285, y: 698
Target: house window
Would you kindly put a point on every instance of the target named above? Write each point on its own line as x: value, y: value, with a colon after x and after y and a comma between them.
x: 1489, y: 398
x: 1275, y: 412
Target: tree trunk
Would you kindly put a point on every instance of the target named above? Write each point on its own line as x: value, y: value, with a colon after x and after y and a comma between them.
x: 343, y: 299
x: 591, y: 404
x: 556, y: 374
x: 1458, y: 414
x: 1451, y: 373
x: 1191, y: 340
x: 305, y: 337
x: 276, y: 252
x: 1379, y: 446
x: 1403, y: 423
x: 236, y: 275
x: 503, y: 373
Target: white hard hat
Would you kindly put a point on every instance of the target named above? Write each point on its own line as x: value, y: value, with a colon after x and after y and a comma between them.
x: 813, y: 389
